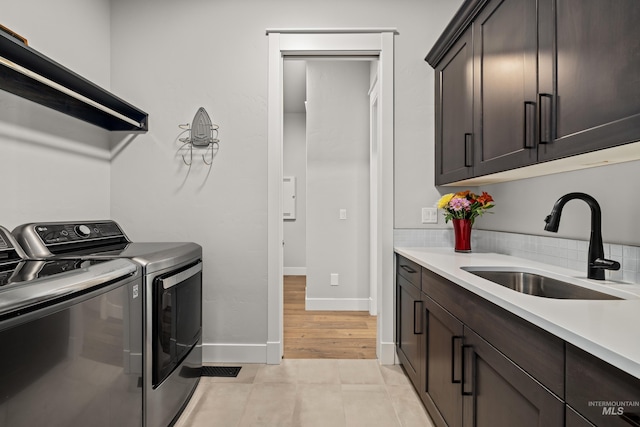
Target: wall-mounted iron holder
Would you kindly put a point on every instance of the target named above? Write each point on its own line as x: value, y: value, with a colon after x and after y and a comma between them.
x: 202, y: 134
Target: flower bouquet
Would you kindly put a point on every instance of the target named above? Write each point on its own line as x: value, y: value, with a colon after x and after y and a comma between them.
x: 463, y: 208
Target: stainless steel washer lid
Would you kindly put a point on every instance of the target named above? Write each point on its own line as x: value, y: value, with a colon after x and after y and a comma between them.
x: 24, y: 296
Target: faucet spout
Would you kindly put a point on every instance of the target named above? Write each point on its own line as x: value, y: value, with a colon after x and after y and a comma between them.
x: 597, y: 263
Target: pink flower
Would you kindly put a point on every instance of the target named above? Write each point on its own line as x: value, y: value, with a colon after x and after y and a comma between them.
x: 459, y: 203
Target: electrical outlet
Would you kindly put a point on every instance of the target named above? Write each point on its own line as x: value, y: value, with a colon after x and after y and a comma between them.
x: 335, y: 279
x: 343, y: 214
x: 429, y: 215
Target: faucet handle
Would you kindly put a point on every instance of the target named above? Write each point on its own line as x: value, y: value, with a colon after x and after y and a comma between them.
x: 552, y: 221
x: 605, y: 264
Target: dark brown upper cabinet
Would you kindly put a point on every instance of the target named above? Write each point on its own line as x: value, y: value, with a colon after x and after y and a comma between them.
x: 505, y: 86
x: 454, y: 113
x: 589, y: 81
x: 551, y: 79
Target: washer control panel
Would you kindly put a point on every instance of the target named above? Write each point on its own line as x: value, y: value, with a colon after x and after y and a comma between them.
x: 9, y: 249
x: 3, y: 243
x: 55, y: 233
x: 46, y: 239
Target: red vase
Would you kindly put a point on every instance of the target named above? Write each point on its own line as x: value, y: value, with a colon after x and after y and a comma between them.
x: 462, y: 232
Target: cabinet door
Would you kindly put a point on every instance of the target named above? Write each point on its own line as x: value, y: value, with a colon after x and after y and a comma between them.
x: 440, y: 391
x: 505, y: 86
x: 573, y: 419
x: 594, y: 65
x: 602, y: 393
x: 498, y: 393
x: 409, y: 328
x: 454, y: 109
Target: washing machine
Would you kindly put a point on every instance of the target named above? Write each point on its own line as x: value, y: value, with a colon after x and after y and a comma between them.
x: 172, y: 295
x: 69, y: 358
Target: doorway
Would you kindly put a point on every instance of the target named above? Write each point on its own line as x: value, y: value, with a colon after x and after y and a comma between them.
x: 358, y: 42
x: 327, y: 156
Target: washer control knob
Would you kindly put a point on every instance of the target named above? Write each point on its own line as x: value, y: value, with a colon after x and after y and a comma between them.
x: 83, y: 230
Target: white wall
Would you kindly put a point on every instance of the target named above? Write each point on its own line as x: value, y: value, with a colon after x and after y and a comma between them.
x: 521, y: 206
x: 337, y: 178
x: 171, y: 58
x: 295, y: 164
x: 414, y: 121
x: 55, y: 167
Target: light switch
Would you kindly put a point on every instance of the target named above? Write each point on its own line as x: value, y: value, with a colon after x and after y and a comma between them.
x: 343, y: 214
x: 429, y: 215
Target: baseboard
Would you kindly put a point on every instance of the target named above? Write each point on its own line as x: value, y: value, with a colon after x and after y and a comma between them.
x: 274, y: 352
x: 270, y: 353
x: 337, y: 304
x: 387, y: 354
x: 294, y: 271
x: 234, y: 353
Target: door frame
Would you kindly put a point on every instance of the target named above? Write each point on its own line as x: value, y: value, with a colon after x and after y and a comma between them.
x: 376, y: 42
x: 374, y: 185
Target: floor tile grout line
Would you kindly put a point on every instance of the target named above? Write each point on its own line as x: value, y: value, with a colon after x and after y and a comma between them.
x: 395, y: 410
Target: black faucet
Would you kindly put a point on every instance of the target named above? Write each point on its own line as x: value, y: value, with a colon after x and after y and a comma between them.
x: 597, y: 263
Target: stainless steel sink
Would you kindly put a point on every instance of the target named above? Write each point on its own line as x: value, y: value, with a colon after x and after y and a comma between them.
x: 538, y: 285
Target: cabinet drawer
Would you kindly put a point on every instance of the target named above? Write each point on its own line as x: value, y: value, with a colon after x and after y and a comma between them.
x: 538, y: 352
x: 409, y: 270
x: 602, y: 393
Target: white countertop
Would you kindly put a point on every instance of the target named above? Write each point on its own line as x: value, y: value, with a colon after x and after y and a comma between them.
x: 608, y: 329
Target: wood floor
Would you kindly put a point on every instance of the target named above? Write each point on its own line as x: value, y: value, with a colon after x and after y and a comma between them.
x: 324, y: 334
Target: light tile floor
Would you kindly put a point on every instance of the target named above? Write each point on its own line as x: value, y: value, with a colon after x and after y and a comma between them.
x: 307, y: 393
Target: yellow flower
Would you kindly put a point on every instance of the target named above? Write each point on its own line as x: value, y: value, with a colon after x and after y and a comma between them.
x: 444, y: 200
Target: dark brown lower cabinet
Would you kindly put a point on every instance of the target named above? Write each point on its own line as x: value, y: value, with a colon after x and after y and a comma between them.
x: 442, y: 378
x: 573, y: 419
x: 498, y: 393
x: 409, y: 328
x: 602, y: 393
x: 476, y: 365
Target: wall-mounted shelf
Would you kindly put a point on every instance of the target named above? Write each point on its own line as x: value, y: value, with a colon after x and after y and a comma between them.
x: 29, y: 74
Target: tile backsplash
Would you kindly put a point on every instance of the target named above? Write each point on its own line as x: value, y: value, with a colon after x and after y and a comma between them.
x: 566, y: 253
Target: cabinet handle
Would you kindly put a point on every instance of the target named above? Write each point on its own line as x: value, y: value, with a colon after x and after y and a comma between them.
x: 454, y: 359
x: 408, y: 269
x: 417, y: 331
x: 472, y: 373
x: 545, y: 118
x: 529, y: 128
x: 468, y: 150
